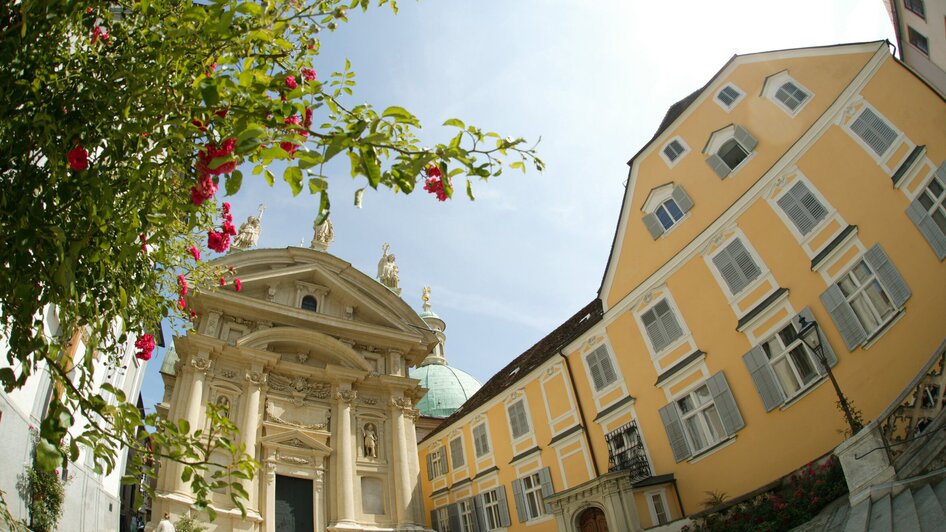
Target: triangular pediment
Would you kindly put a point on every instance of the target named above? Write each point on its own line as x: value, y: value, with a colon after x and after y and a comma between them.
x: 295, y: 439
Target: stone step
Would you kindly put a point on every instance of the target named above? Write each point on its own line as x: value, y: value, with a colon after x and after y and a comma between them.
x: 881, y: 515
x: 857, y: 518
x: 929, y: 509
x: 904, y: 512
x: 940, y: 490
x: 838, y: 518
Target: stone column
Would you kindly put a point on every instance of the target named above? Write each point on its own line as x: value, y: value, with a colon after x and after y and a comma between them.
x: 402, y: 492
x: 269, y: 515
x: 198, y: 368
x: 345, y: 489
x: 250, y: 427
x: 417, y: 498
x: 318, y: 500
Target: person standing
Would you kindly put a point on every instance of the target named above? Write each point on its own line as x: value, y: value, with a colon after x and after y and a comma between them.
x: 165, y: 525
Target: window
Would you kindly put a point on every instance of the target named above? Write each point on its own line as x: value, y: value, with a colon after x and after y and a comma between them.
x: 309, y: 303
x: 701, y: 418
x: 601, y: 369
x: 728, y: 96
x: 491, y: 509
x: 466, y: 515
x: 791, y: 95
x: 673, y: 150
x: 441, y: 519
x: 456, y: 453
x: 917, y: 7
x: 661, y: 325
x: 736, y: 266
x: 530, y: 493
x: 658, y: 509
x: 802, y: 207
x: 782, y: 366
x: 436, y: 464
x: 518, y: 421
x: 480, y: 440
x: 668, y: 212
x: 626, y: 451
x: 928, y: 212
x: 874, y: 131
x: 865, y: 298
x: 919, y: 40
x: 730, y: 147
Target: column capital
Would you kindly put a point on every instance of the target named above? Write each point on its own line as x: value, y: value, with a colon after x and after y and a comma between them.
x: 348, y: 396
x: 201, y: 363
x: 256, y: 378
x: 402, y: 403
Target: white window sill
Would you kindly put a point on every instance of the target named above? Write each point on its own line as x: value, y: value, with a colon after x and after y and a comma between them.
x: 712, y: 449
x: 882, y: 330
x: 805, y: 391
x: 539, y: 520
x: 675, y: 224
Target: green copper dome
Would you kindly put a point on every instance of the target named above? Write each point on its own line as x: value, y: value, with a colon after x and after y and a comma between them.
x: 448, y: 388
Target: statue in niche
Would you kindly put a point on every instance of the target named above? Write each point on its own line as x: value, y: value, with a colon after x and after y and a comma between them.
x: 249, y: 232
x: 387, y: 270
x: 371, y: 441
x: 224, y: 403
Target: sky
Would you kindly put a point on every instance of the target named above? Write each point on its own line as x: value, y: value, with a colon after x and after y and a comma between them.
x: 591, y: 79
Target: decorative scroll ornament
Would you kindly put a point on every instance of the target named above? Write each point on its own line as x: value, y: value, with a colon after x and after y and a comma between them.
x: 289, y: 459
x: 255, y: 378
x: 201, y: 363
x: 347, y: 396
x: 403, y: 403
x: 370, y: 400
x: 228, y: 374
x: 301, y: 385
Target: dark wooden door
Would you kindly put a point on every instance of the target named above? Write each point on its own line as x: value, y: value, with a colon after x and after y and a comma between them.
x: 592, y: 520
x: 294, y: 504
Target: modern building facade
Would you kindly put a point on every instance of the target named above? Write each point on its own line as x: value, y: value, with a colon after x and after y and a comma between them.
x: 796, y: 186
x: 311, y: 359
x: 92, y: 501
x: 920, y: 26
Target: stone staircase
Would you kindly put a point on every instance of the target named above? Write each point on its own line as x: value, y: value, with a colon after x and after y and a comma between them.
x: 914, y: 505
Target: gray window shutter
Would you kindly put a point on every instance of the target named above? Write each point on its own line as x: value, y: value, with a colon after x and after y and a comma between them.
x: 674, y: 427
x: 434, y: 523
x: 480, y: 511
x: 520, y: 501
x: 545, y: 478
x: 829, y: 355
x: 430, y: 466
x: 736, y: 266
x: 802, y: 208
x: 503, y: 506
x: 843, y: 317
x: 718, y: 165
x: 725, y: 403
x: 651, y: 323
x: 453, y: 517
x: 653, y: 225
x: 682, y: 198
x: 746, y: 139
x: 670, y: 324
x: 595, y: 367
x: 764, y: 378
x: 874, y: 131
x: 607, y: 369
x: 888, y: 275
x: 928, y: 228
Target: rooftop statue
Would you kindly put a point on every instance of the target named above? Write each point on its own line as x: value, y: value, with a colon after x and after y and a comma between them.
x: 387, y: 270
x: 323, y: 235
x: 249, y: 231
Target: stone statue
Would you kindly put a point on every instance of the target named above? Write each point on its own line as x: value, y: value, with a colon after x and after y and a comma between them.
x: 249, y: 232
x: 425, y: 297
x: 387, y: 270
x: 371, y: 441
x: 323, y: 235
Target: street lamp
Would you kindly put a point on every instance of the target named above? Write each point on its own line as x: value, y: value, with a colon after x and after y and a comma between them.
x: 810, y: 334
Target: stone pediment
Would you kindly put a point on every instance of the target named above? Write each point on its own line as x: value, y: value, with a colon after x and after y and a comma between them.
x: 295, y: 440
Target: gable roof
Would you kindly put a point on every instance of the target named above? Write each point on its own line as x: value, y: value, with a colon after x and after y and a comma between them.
x: 523, y: 364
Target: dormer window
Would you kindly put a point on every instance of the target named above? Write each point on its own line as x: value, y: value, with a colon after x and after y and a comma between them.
x: 730, y: 147
x: 309, y: 303
x: 786, y: 92
x: 665, y: 207
x: 728, y: 96
x: 673, y: 151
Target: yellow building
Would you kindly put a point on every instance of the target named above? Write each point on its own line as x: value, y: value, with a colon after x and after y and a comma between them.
x: 797, y: 184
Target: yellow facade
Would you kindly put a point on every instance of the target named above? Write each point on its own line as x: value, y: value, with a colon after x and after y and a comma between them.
x: 792, y: 185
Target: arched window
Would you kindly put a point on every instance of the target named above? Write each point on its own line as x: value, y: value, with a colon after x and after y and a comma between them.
x: 309, y: 303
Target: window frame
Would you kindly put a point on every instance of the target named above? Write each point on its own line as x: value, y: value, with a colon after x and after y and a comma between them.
x: 915, y: 38
x: 603, y: 354
x: 674, y: 312
x: 927, y: 211
x: 720, y: 139
x: 911, y: 6
x: 453, y: 454
x: 698, y: 414
x: 886, y: 122
x: 750, y: 253
x: 685, y: 149
x: 443, y: 519
x: 859, y: 293
x: 657, y: 199
x: 466, y: 511
x: 654, y: 514
x: 732, y: 105
x: 524, y: 415
x: 491, y: 510
x: 778, y: 203
x: 476, y: 441
x: 774, y: 85
x: 792, y: 95
x: 785, y: 350
x: 313, y: 299
x: 533, y: 495
x: 437, y: 463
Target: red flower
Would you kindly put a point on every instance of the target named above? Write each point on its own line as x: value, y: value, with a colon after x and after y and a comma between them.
x: 307, y: 121
x: 200, y: 125
x: 435, y: 186
x: 226, y: 207
x: 181, y: 303
x: 222, y: 113
x: 222, y: 281
x: 308, y: 74
x: 291, y: 82
x: 99, y: 33
x: 289, y: 148
x: 211, y: 152
x: 78, y: 158
x: 432, y: 170
x: 193, y: 315
x: 195, y: 252
x: 238, y: 284
x: 183, y: 283
x: 292, y: 120
x: 145, y: 345
x: 218, y: 242
x: 204, y: 190
x: 144, y: 242
x: 228, y: 228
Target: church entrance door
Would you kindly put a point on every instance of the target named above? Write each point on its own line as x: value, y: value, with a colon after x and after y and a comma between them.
x: 592, y: 520
x: 294, y: 504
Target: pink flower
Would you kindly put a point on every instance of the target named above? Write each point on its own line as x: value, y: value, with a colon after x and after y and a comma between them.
x: 78, y: 158
x: 435, y: 186
x: 291, y: 82
x: 183, y: 285
x: 99, y: 33
x: 432, y: 170
x: 289, y: 148
x: 218, y: 242
x: 226, y: 207
x: 238, y: 284
x: 307, y: 121
x: 145, y: 345
x: 211, y: 152
x: 196, y: 253
x: 308, y: 74
x: 181, y: 303
x: 204, y: 190
x: 228, y: 228
x: 292, y: 120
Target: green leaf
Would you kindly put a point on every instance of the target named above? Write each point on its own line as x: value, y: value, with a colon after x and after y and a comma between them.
x: 209, y: 92
x: 234, y: 182
x: 270, y: 178
x: 293, y: 176
x: 249, y: 8
x: 455, y: 122
x: 324, y: 208
x: 469, y: 190
x: 249, y: 139
x: 317, y: 184
x: 400, y: 115
x: 371, y: 165
x: 47, y: 456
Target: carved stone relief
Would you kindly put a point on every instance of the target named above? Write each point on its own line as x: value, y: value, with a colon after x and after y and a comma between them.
x: 213, y: 321
x: 299, y: 385
x: 302, y: 420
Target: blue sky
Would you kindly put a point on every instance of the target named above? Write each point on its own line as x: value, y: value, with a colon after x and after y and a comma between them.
x: 592, y: 79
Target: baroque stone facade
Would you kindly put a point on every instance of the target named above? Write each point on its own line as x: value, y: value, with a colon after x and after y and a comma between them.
x: 311, y: 360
